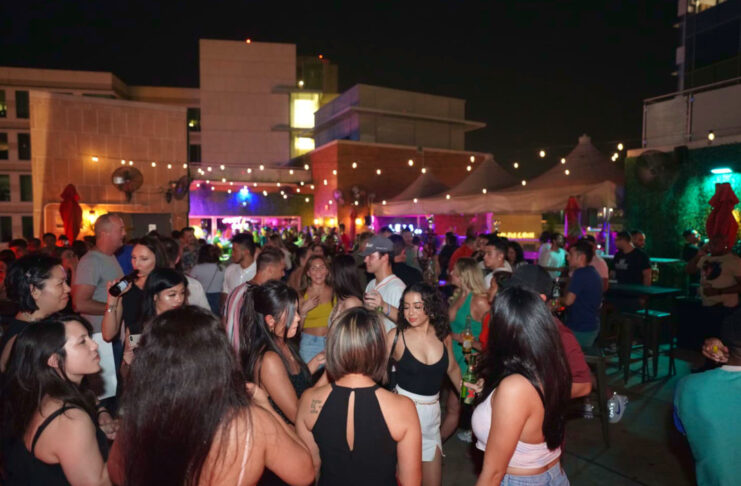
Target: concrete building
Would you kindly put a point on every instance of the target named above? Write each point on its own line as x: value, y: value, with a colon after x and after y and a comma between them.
x: 252, y: 109
x: 375, y: 141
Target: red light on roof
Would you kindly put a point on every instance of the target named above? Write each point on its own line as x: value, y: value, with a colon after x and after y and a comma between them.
x: 248, y: 41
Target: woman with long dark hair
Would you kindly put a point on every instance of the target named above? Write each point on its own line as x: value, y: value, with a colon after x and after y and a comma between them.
x: 527, y: 385
x: 37, y: 284
x: 269, y: 319
x: 147, y: 255
x: 348, y: 291
x: 423, y: 356
x: 515, y: 255
x: 205, y: 429
x: 380, y: 442
x: 49, y: 422
x: 165, y: 289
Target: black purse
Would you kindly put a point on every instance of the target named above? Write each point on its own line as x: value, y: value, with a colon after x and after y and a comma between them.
x: 391, y: 366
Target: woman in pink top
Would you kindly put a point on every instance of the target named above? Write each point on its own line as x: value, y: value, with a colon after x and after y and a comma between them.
x: 527, y: 383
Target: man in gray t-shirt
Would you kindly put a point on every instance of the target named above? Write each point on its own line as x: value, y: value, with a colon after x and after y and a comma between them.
x: 96, y: 268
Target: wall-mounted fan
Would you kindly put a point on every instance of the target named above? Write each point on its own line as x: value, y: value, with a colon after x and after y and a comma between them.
x: 127, y: 180
x: 656, y: 170
x: 178, y: 189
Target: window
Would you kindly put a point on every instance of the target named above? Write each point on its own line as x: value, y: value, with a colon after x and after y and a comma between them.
x: 27, y: 226
x: 6, y: 228
x: 194, y: 153
x: 3, y: 104
x: 303, y: 106
x: 21, y: 104
x: 24, y: 146
x: 3, y: 146
x: 4, y: 187
x: 194, y: 120
x: 26, y: 188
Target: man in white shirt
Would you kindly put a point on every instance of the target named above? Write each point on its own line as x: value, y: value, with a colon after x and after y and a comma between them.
x: 554, y: 260
x: 383, y: 293
x: 495, y: 259
x: 243, y: 266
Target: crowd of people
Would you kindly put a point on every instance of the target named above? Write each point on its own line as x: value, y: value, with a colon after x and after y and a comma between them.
x: 307, y: 357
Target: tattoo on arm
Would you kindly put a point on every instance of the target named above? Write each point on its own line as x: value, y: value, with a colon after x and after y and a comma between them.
x: 316, y: 406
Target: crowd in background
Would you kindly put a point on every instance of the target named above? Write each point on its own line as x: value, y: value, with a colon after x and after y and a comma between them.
x: 308, y: 355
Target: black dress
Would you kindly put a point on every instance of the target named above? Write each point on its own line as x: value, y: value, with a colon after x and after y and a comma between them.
x: 23, y: 468
x: 372, y: 461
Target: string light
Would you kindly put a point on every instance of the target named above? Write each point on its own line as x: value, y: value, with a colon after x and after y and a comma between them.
x: 198, y: 184
x: 307, y: 199
x: 94, y: 158
x: 229, y: 191
x: 131, y: 162
x: 249, y: 171
x: 306, y: 166
x: 567, y: 172
x: 524, y: 182
x: 244, y: 204
x: 254, y: 184
x: 331, y: 202
x: 415, y: 200
x: 213, y: 188
x: 424, y: 170
x: 383, y: 202
x: 541, y: 153
x: 298, y: 190
x: 468, y: 168
x: 472, y: 159
x: 262, y: 167
x: 154, y: 164
x: 185, y: 166
x: 563, y: 160
x: 264, y: 193
x: 483, y: 191
x: 325, y: 182
x: 221, y: 167
x: 620, y: 147
x: 334, y: 172
x: 378, y: 171
x: 516, y: 165
x: 169, y: 166
x: 411, y: 163
x: 285, y: 196
x: 447, y: 196
x: 123, y: 162
x: 231, y: 183
x: 248, y: 41
x: 223, y: 179
x: 312, y: 187
x: 302, y: 183
x: 208, y: 168
x: 301, y: 84
x: 356, y: 203
x: 277, y: 184
x: 711, y: 135
x: 290, y: 171
x: 354, y: 165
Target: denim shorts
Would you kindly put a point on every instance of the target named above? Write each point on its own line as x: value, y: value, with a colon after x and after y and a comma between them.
x: 311, y: 346
x: 555, y: 476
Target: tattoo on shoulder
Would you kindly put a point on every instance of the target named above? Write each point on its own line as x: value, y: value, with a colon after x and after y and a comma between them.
x: 316, y: 406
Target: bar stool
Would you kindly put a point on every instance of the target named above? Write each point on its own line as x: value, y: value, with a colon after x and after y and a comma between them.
x: 651, y: 322
x: 597, y: 364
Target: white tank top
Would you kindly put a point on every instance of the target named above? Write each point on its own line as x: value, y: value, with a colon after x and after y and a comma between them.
x: 526, y: 456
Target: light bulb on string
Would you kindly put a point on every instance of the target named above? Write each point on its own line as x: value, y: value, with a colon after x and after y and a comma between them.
x: 208, y: 168
x: 472, y: 159
x: 306, y: 166
x: 447, y: 196
x: 290, y: 171
x: 131, y: 162
x: 249, y: 171
x: 169, y: 166
x: 262, y: 167
x: 154, y: 164
x: 468, y: 168
x: 94, y: 158
x: 424, y: 170
x: 185, y: 166
x: 221, y: 167
x: 524, y: 182
x: 516, y: 165
x: 411, y: 163
x: 541, y: 153
x: 123, y: 162
x: 334, y: 172
x: 378, y: 171
x: 354, y: 165
x: 563, y: 160
x: 620, y: 147
x: 383, y: 202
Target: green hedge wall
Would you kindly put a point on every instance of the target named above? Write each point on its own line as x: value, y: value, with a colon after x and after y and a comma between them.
x: 663, y: 215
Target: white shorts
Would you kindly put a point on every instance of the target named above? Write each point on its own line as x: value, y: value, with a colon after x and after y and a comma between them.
x: 428, y: 410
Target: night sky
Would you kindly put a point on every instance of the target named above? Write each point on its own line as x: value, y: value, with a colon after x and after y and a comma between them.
x: 538, y: 73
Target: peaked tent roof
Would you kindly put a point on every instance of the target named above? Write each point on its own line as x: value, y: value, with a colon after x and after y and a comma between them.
x: 488, y: 175
x: 426, y: 185
x: 586, y: 165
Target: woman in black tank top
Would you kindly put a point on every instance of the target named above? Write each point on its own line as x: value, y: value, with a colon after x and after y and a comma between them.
x: 423, y: 356
x: 356, y: 431
x: 50, y: 360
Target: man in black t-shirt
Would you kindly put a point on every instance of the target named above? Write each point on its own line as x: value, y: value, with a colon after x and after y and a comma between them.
x: 632, y: 266
x: 690, y: 248
x: 408, y: 274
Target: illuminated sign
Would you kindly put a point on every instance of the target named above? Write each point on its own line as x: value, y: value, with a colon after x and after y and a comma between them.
x: 518, y: 235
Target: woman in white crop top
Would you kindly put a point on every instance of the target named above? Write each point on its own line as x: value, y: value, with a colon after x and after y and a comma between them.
x: 527, y: 383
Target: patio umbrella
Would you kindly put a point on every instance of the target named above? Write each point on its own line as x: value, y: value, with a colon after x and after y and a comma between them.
x: 572, y: 227
x: 720, y: 220
x: 71, y: 212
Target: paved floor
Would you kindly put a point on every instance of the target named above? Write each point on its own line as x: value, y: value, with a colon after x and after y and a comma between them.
x: 646, y: 448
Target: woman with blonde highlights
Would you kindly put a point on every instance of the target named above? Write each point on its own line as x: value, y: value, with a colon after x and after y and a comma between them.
x: 468, y: 303
x: 317, y: 300
x: 383, y: 431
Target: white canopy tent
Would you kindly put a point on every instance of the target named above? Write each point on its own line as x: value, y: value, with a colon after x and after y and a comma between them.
x: 426, y: 185
x: 592, y: 178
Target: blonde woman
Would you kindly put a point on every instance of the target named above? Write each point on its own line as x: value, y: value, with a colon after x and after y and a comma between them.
x: 316, y: 306
x: 468, y: 301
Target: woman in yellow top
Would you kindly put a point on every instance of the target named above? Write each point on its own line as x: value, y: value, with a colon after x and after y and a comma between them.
x: 316, y: 306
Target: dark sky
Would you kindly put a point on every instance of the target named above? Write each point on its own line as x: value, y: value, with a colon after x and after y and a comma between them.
x: 539, y: 73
